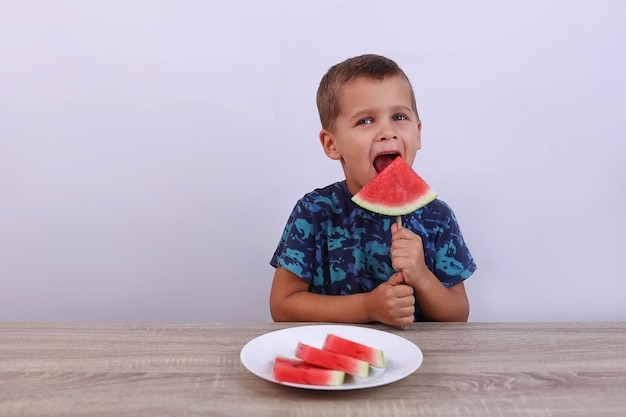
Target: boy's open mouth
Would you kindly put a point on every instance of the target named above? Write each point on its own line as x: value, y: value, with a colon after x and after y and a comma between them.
x: 383, y: 160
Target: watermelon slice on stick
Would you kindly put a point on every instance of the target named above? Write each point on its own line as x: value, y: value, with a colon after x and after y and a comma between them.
x: 395, y: 191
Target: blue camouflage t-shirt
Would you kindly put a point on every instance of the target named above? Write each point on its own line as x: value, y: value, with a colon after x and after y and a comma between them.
x: 340, y: 248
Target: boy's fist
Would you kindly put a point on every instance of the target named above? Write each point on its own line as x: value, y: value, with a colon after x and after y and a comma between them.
x: 392, y: 302
x: 407, y: 255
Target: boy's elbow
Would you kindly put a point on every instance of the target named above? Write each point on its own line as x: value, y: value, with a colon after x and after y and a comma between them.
x: 466, y: 315
x: 283, y: 307
x: 277, y: 311
x: 275, y: 315
x: 278, y: 316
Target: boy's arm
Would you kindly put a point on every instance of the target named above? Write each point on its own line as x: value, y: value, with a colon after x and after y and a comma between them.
x: 441, y: 303
x: 290, y: 300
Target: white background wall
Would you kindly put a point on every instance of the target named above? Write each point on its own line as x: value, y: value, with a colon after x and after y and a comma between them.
x: 151, y: 151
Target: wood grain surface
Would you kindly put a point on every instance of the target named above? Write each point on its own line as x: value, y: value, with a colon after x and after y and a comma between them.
x: 180, y: 369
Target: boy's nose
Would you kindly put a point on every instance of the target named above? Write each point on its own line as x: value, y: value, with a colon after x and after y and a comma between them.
x: 387, y: 133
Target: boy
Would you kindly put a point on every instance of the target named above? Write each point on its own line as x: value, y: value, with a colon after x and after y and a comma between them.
x: 337, y: 262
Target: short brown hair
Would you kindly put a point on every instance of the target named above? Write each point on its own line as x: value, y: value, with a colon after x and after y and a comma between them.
x: 370, y: 66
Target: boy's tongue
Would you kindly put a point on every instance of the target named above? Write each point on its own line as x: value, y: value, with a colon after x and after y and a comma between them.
x: 382, y: 161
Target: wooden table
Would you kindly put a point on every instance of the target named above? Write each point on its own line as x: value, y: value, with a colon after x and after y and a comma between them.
x: 469, y: 369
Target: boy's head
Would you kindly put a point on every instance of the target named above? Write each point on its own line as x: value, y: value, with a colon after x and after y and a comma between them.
x: 369, y: 117
x: 375, y: 67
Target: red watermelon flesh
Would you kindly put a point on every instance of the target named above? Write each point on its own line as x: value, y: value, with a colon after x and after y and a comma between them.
x: 332, y: 360
x: 300, y: 372
x: 338, y: 344
x: 395, y: 191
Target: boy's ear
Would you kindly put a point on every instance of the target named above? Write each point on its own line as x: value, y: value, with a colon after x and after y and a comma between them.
x: 328, y: 143
x: 419, y: 135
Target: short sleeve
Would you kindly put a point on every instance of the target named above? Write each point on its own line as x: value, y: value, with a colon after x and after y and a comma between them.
x: 296, y: 249
x: 452, y: 260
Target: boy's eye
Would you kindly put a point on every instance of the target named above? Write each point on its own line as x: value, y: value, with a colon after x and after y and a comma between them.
x: 400, y: 117
x: 364, y: 121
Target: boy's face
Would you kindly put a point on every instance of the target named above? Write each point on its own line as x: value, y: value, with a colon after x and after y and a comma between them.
x: 376, y: 123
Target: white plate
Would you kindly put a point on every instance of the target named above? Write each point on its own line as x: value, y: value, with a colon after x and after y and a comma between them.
x: 402, y: 357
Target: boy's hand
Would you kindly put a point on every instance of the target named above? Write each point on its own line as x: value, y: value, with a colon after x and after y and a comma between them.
x: 407, y: 256
x: 392, y: 302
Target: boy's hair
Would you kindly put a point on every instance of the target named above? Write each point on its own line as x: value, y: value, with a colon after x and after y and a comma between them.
x: 371, y: 66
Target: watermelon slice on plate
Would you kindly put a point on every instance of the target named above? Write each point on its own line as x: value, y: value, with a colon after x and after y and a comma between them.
x: 395, y: 191
x: 332, y: 360
x: 338, y: 344
x: 300, y: 372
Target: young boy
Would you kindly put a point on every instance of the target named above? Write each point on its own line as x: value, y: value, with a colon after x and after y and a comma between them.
x: 337, y: 262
